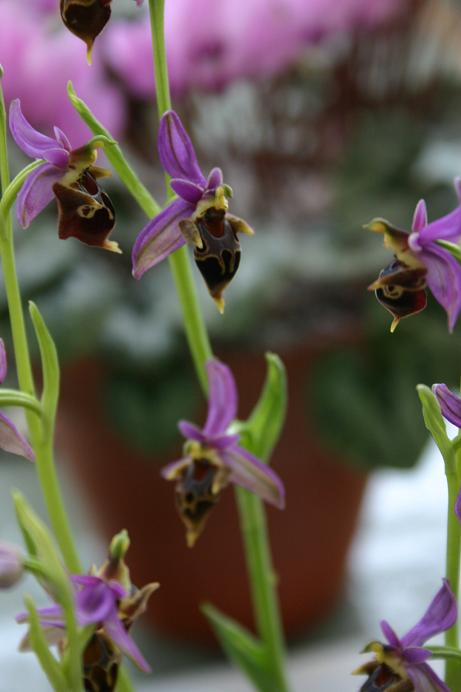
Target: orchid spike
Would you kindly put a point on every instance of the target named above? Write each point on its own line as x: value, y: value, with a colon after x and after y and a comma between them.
x: 69, y: 175
x: 420, y: 261
x: 11, y: 440
x: 401, y: 663
x: 213, y: 458
x: 199, y: 214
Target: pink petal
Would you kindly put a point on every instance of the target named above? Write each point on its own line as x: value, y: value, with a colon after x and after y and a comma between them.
x: 160, y: 237
x: 425, y: 679
x: 450, y: 403
x: 118, y: 634
x: 446, y: 228
x: 390, y: 635
x: 191, y: 192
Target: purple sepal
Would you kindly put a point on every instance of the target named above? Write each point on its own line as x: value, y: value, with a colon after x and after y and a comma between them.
x: 118, y: 634
x: 440, y: 616
x: 176, y: 151
x: 160, y: 237
x: 222, y: 399
x: 191, y: 431
x: 36, y: 193
x: 446, y: 228
x: 254, y: 475
x: 450, y: 404
x: 3, y: 361
x: 444, y: 280
x: 11, y: 440
x: 425, y: 679
x: 390, y: 634
x: 34, y: 143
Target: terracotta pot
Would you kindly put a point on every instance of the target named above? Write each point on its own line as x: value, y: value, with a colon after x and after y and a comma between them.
x: 310, y: 538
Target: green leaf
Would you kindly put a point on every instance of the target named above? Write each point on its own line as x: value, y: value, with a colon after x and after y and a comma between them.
x: 445, y: 652
x: 116, y: 157
x: 434, y: 422
x: 50, y: 364
x: 241, y: 647
x: 48, y: 663
x: 261, y: 431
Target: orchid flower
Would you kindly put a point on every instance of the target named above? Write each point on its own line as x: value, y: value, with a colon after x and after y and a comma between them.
x: 199, y: 215
x: 213, y: 458
x: 11, y: 440
x: 401, y: 664
x: 85, y: 211
x: 86, y: 19
x: 419, y: 262
x: 112, y: 608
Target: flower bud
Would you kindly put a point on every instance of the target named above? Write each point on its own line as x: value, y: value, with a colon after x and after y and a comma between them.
x: 11, y: 565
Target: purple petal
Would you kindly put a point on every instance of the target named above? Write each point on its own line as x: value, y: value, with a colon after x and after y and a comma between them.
x: 215, y: 179
x: 457, y: 184
x: 390, y: 635
x: 191, y: 192
x: 446, y: 228
x: 176, y: 152
x: 32, y: 142
x: 61, y: 138
x: 425, y: 679
x: 450, y: 404
x: 223, y: 441
x: 37, y: 192
x: 444, y: 280
x: 160, y: 237
x: 118, y: 634
x: 440, y: 616
x: 95, y: 603
x: 252, y: 474
x: 191, y: 431
x: 51, y: 614
x: 222, y: 398
x: 11, y: 440
x: 419, y: 217
x: 3, y: 361
x: 416, y: 654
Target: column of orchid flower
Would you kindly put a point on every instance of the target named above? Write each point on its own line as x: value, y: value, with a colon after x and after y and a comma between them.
x: 427, y: 257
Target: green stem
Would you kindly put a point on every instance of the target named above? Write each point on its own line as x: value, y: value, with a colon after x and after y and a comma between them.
x: 263, y: 583
x: 251, y: 510
x: 43, y: 449
x: 452, y: 668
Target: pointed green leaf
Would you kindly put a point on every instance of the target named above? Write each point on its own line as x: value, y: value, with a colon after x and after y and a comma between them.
x: 261, y: 431
x: 48, y: 663
x: 241, y: 647
x: 50, y: 364
x: 435, y: 423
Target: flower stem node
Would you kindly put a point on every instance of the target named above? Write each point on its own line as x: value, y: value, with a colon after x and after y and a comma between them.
x: 212, y: 459
x: 70, y: 175
x: 199, y: 215
x: 11, y: 565
x: 86, y: 19
x: 421, y: 259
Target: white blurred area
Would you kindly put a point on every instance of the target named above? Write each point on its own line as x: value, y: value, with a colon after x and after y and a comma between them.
x: 395, y: 568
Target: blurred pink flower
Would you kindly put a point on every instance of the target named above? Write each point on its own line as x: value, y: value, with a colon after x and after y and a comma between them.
x: 251, y: 39
x: 39, y: 58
